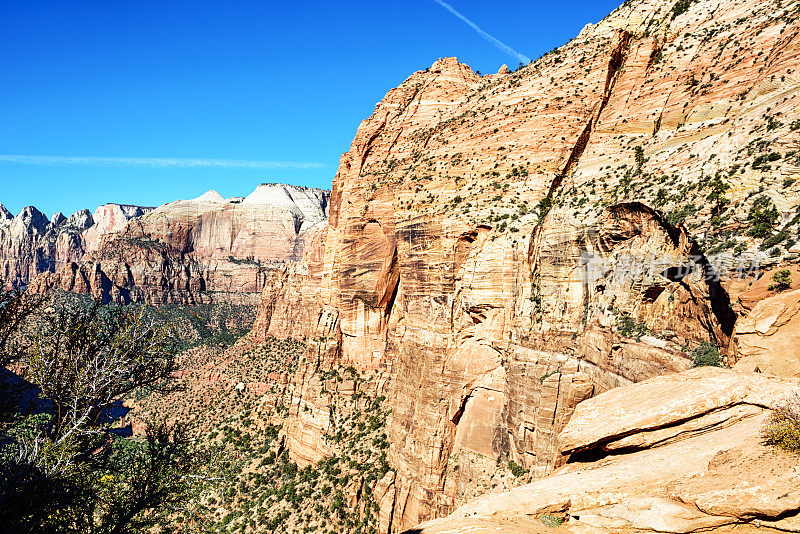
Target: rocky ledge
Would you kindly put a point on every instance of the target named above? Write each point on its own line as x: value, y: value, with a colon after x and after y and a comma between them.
x: 674, y: 454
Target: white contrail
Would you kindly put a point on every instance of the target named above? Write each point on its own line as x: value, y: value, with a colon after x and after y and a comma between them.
x: 499, y: 44
x: 98, y: 161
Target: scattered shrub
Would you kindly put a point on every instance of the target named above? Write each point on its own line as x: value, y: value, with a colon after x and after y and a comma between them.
x: 782, y: 429
x: 680, y: 7
x: 638, y: 156
x: 775, y: 240
x: 544, y: 206
x: 551, y: 521
x: 762, y: 161
x: 516, y: 469
x: 762, y: 217
x: 628, y: 327
x: 706, y: 355
x: 782, y: 279
x: 679, y: 215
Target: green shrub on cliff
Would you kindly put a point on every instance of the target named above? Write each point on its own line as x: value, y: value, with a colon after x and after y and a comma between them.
x: 680, y: 7
x: 762, y: 217
x: 516, y: 469
x: 706, y: 355
x: 627, y: 326
x: 782, y: 279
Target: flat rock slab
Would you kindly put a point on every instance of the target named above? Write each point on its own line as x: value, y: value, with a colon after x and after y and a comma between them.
x: 666, y: 400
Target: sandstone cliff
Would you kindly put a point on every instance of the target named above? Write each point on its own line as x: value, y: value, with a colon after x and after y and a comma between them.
x: 185, y: 251
x: 30, y: 244
x: 510, y: 245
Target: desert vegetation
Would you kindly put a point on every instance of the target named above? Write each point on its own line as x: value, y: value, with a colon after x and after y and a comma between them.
x: 706, y: 354
x: 263, y: 489
x: 65, y: 465
x: 782, y: 430
x: 204, y: 456
x: 782, y: 280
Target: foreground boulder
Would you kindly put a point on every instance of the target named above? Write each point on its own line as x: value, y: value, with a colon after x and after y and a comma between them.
x: 768, y: 333
x: 677, y: 453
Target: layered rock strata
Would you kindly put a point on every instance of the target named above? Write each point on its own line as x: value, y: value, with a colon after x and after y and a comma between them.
x: 30, y: 244
x: 679, y: 453
x: 194, y: 251
x: 508, y: 246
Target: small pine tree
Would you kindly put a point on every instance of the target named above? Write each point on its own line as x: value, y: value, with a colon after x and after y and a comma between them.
x: 782, y: 279
x: 638, y: 156
x: 762, y: 217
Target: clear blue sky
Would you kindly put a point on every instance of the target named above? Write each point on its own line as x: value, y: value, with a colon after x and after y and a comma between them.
x: 233, y: 80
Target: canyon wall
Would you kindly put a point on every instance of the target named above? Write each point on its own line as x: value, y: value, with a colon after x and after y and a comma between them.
x: 507, y: 246
x: 30, y: 244
x: 192, y: 251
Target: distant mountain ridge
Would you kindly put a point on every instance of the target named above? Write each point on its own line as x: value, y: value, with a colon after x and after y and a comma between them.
x: 142, y: 247
x: 31, y: 244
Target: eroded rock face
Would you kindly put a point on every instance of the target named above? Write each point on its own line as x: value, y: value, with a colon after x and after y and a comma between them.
x: 187, y: 250
x: 109, y: 219
x: 768, y: 333
x: 30, y: 244
x: 692, y: 462
x: 505, y: 250
x: 666, y: 407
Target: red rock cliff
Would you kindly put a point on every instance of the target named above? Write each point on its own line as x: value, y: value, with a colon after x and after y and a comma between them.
x: 491, y: 238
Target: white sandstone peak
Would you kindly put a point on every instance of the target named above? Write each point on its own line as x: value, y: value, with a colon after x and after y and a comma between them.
x: 210, y: 196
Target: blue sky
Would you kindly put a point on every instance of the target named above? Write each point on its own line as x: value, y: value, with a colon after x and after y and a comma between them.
x: 156, y: 93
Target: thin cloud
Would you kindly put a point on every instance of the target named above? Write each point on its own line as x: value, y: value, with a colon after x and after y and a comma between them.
x: 97, y: 161
x: 496, y: 42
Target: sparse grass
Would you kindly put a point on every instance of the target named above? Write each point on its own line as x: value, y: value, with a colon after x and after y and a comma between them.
x: 551, y: 521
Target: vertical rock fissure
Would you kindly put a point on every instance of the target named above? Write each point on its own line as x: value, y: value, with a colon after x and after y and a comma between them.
x: 370, y: 143
x: 460, y: 411
x: 553, y: 437
x: 615, y: 64
x: 392, y: 487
